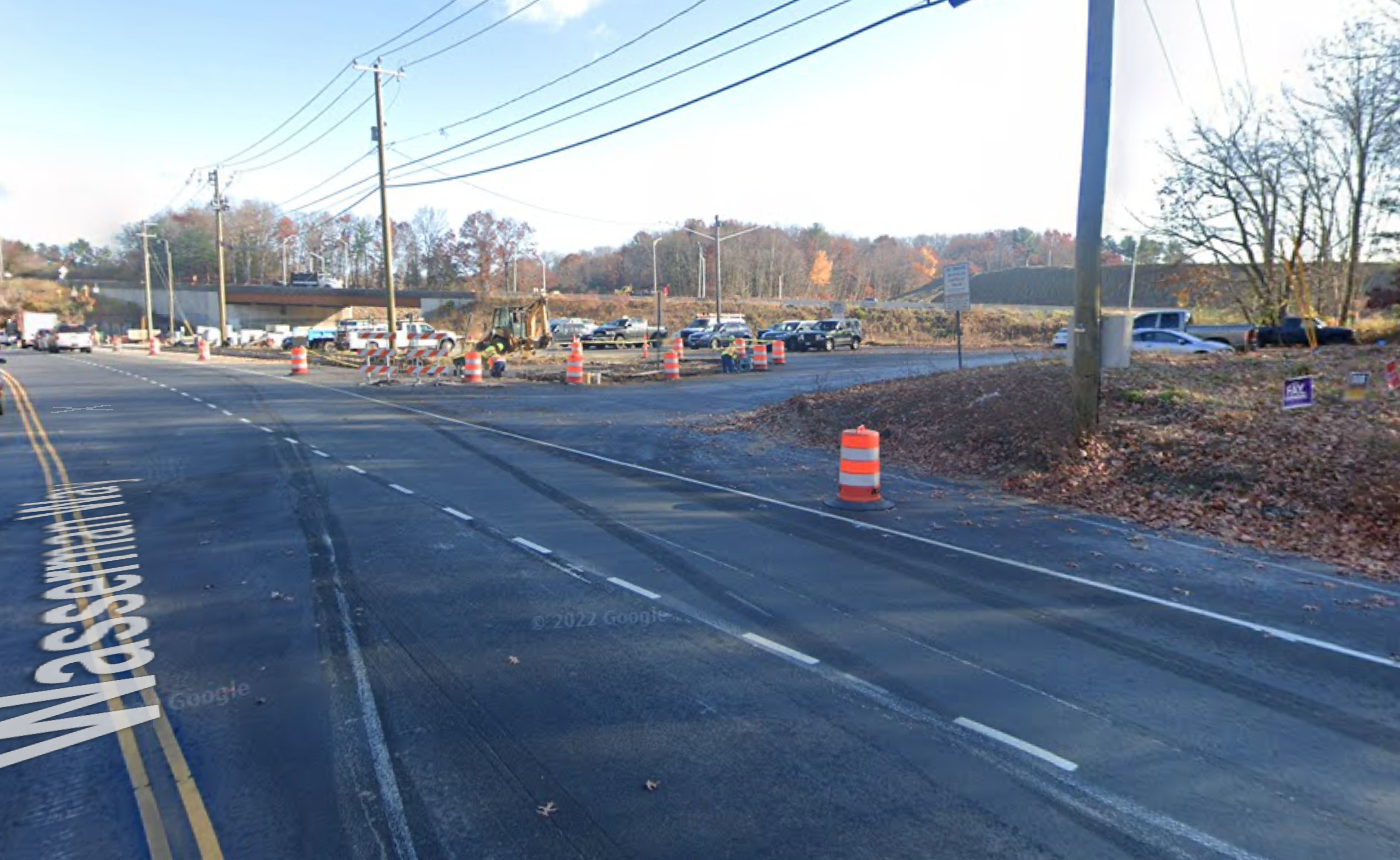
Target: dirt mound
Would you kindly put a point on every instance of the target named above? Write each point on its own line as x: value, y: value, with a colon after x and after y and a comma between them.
x: 1183, y: 443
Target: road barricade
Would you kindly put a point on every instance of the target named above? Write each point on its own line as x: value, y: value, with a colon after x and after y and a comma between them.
x: 760, y: 357
x: 671, y: 364
x: 573, y: 370
x: 300, y: 365
x: 858, y: 480
x: 471, y: 367
x: 779, y: 352
x: 378, y: 368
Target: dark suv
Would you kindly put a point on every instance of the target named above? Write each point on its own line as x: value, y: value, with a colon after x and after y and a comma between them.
x: 826, y: 335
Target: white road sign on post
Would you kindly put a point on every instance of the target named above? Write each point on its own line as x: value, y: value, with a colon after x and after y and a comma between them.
x: 957, y: 291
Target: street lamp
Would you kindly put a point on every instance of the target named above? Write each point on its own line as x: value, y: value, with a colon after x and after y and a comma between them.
x: 285, y: 240
x: 544, y: 275
x: 344, y: 260
x: 655, y: 289
x: 719, y: 273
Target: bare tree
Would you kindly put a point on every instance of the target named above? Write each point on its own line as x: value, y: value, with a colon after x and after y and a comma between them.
x: 1355, y: 106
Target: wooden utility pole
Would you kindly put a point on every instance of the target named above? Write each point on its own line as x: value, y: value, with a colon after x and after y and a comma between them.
x: 1088, y: 239
x: 220, y: 206
x: 388, y: 234
x: 146, y: 258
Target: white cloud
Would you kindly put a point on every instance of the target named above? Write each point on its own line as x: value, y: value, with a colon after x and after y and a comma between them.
x: 553, y: 12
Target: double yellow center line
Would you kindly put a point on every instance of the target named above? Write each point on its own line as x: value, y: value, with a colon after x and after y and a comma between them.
x: 152, y: 823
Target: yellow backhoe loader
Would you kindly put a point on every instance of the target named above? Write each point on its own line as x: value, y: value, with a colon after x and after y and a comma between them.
x: 517, y: 329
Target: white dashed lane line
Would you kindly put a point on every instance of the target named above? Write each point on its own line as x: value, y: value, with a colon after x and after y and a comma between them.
x: 211, y: 406
x: 357, y: 470
x: 265, y: 429
x: 780, y: 649
x: 622, y: 583
x: 466, y: 518
x: 1013, y: 741
x: 245, y: 421
x: 291, y: 440
x: 531, y: 545
x: 226, y: 412
x: 405, y: 490
x: 320, y: 453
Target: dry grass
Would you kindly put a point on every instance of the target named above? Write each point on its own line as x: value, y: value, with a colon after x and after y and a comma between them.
x: 1184, y: 443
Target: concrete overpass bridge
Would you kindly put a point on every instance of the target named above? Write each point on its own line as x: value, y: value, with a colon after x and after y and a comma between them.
x: 262, y: 306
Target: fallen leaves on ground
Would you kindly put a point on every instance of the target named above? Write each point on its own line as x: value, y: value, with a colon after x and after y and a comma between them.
x: 1189, y: 443
x: 547, y: 810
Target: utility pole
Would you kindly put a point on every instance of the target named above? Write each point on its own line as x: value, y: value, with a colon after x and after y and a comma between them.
x: 719, y: 275
x: 146, y: 256
x: 1088, y: 289
x: 388, y: 225
x: 220, y: 207
x: 170, y: 283
x: 699, y: 271
x: 544, y: 275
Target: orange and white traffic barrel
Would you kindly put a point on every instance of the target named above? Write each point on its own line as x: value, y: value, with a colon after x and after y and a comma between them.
x: 300, y: 365
x: 471, y: 367
x: 779, y: 352
x: 153, y: 346
x: 760, y: 357
x: 116, y: 343
x: 679, y: 348
x: 859, y: 477
x: 739, y: 348
x: 573, y: 372
x: 203, y: 349
x: 671, y: 365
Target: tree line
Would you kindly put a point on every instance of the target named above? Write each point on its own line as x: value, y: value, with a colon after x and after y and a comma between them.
x: 489, y: 253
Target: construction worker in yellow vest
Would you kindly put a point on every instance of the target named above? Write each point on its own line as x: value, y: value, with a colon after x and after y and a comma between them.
x: 728, y: 359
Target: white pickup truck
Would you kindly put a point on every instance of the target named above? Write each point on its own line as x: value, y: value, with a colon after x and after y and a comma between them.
x: 411, y: 334
x: 71, y: 338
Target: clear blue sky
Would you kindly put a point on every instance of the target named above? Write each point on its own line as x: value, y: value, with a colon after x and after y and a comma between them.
x: 946, y: 120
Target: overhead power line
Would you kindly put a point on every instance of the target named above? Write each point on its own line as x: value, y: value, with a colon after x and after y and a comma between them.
x: 527, y: 204
x: 1210, y: 46
x: 296, y: 113
x: 315, y: 140
x: 614, y: 99
x: 421, y: 21
x: 694, y: 46
x: 304, y: 126
x: 484, y: 30
x: 1171, y: 70
x: 1239, y: 40
x: 683, y: 105
x: 595, y: 61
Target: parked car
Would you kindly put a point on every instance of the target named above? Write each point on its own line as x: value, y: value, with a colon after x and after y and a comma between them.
x: 719, y: 336
x: 73, y: 338
x: 827, y: 335
x: 576, y: 325
x: 1061, y: 339
x: 1160, y: 340
x: 1240, y: 335
x: 42, y: 340
x: 704, y: 322
x: 624, y: 330
x: 1292, y: 333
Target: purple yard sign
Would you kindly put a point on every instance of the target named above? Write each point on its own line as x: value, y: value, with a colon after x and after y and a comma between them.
x: 1298, y: 392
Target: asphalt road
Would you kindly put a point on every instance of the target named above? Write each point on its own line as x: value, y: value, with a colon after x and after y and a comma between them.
x: 433, y: 622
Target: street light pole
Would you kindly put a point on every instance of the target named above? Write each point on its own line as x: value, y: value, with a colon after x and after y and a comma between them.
x: 344, y: 260
x: 544, y: 275
x: 719, y: 274
x: 1132, y: 275
x: 655, y: 289
x: 285, y: 240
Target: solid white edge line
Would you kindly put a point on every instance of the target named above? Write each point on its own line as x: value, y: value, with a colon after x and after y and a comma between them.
x: 320, y: 453
x: 357, y: 470
x: 405, y: 490
x: 542, y: 550
x: 466, y: 518
x: 622, y: 583
x: 777, y: 648
x: 1276, y: 632
x: 1024, y: 746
